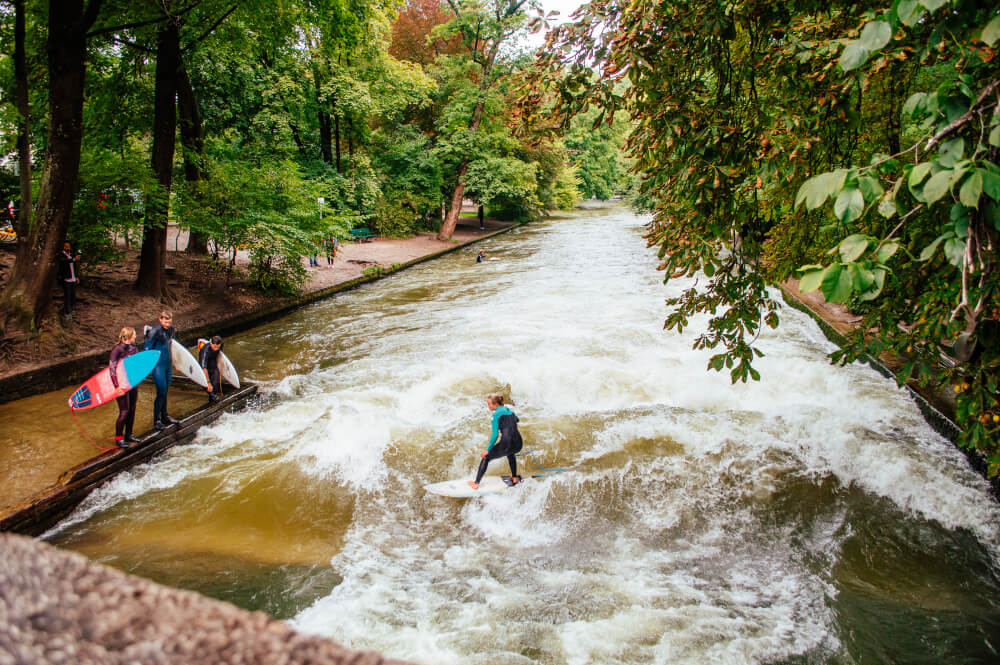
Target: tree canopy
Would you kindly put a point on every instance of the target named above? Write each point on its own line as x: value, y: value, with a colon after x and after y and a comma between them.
x: 262, y: 125
x: 852, y: 145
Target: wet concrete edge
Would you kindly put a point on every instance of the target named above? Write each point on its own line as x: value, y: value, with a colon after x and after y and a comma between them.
x: 69, y: 373
x: 939, y: 421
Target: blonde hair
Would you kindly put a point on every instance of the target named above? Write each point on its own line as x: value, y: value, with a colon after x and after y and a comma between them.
x: 126, y: 334
x: 167, y: 313
x: 495, y: 398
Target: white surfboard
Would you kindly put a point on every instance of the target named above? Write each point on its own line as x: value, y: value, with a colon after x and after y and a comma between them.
x: 226, y: 367
x: 460, y: 489
x: 187, y: 364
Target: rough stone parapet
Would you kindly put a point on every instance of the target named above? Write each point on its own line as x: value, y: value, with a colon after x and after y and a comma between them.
x: 59, y: 608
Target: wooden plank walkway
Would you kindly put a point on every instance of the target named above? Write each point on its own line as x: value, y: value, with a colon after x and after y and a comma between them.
x: 34, y: 515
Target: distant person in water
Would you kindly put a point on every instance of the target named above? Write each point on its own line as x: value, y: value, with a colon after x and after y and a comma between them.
x: 126, y: 400
x: 481, y: 256
x: 209, y: 361
x: 504, y: 426
x: 160, y: 338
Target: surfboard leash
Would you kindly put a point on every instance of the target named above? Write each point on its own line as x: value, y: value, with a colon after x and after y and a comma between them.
x: 531, y: 455
x: 79, y: 427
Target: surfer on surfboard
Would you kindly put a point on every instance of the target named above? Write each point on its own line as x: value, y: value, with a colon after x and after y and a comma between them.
x: 208, y: 358
x: 504, y: 426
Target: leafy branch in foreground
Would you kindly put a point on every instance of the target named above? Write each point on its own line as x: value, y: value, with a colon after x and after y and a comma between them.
x: 751, y: 117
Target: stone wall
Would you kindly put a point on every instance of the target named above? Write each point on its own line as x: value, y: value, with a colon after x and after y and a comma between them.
x: 59, y: 608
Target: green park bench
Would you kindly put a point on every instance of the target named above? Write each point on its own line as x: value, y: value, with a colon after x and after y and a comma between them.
x: 362, y: 235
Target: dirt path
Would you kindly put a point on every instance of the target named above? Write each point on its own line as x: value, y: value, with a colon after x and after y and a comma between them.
x: 107, y: 301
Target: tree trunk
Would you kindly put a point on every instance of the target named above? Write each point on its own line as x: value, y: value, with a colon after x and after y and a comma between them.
x: 451, y: 219
x: 151, y: 280
x: 23, y: 223
x: 324, y: 136
x: 350, y: 143
x: 29, y: 291
x: 193, y: 140
x: 336, y: 137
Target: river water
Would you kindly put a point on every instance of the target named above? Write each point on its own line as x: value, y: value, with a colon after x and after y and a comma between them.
x: 812, y: 517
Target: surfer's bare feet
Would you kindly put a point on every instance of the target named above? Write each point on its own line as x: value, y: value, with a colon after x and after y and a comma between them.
x: 473, y: 484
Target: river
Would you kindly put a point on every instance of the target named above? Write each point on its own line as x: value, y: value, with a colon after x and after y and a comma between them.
x: 811, y: 517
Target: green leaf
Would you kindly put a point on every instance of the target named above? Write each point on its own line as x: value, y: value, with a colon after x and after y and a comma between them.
x: 972, y: 189
x: 816, y: 190
x: 991, y: 33
x: 887, y: 250
x: 931, y: 248
x: 954, y: 249
x: 887, y: 207
x: 937, y: 186
x: 836, y: 284
x: 875, y: 35
x: 991, y: 184
x: 849, y: 205
x: 811, y: 281
x: 852, y: 247
x: 934, y: 5
x: 861, y: 278
x: 879, y: 274
x: 951, y: 152
x: 995, y: 136
x: 870, y: 187
x: 913, y: 103
x: 918, y: 174
x: 854, y: 55
x: 909, y: 12
x: 962, y: 227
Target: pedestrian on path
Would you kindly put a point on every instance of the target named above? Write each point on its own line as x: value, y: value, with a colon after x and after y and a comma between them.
x: 68, y: 278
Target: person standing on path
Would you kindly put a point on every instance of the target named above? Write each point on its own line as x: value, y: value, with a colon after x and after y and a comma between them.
x: 161, y: 338
x: 504, y: 425
x: 126, y: 400
x: 208, y: 358
x: 68, y: 278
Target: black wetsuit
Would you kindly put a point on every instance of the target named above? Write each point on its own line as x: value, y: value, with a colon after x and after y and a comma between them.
x: 160, y: 339
x: 504, y: 425
x: 208, y: 358
x: 128, y: 401
x: 67, y: 278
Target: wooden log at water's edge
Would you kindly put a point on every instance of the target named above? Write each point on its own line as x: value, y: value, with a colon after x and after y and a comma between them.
x: 37, y: 513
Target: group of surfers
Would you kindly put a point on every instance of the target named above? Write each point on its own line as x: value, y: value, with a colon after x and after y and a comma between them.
x: 159, y: 338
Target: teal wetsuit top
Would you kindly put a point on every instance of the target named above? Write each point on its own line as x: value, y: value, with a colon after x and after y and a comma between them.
x: 495, y: 430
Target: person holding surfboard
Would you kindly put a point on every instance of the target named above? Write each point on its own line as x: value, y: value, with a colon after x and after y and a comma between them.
x: 504, y: 426
x: 160, y: 339
x: 209, y: 361
x: 126, y: 400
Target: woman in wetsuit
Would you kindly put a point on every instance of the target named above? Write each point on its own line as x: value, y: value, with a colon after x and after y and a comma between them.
x: 504, y: 426
x: 126, y: 400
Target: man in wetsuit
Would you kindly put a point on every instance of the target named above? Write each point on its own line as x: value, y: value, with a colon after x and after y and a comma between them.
x: 505, y: 426
x: 161, y: 338
x: 209, y: 361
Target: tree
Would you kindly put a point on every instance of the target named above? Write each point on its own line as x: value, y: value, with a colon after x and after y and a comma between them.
x: 484, y: 29
x: 28, y: 294
x: 412, y: 33
x: 750, y: 116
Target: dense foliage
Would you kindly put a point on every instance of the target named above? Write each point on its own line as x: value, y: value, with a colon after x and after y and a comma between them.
x: 852, y: 144
x: 256, y: 125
